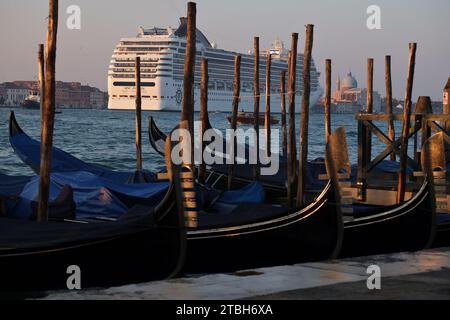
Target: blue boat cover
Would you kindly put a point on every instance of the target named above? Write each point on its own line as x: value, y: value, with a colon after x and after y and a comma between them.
x: 28, y: 150
x: 12, y: 185
x: 253, y: 192
x: 93, y: 195
x: 443, y: 218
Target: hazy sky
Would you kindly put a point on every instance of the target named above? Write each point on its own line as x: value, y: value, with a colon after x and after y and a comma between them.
x: 340, y: 34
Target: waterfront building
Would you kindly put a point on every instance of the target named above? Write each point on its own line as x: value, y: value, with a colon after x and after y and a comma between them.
x: 349, y: 98
x: 67, y: 94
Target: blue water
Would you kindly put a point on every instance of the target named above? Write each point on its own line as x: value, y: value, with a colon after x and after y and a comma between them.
x: 107, y: 137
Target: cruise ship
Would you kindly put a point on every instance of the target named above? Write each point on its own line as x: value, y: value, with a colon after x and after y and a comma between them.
x: 162, y: 52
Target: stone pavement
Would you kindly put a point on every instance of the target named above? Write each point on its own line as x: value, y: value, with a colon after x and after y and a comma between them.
x: 418, y: 275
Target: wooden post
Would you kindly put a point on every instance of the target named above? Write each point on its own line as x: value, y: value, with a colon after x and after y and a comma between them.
x: 283, y: 111
x: 203, y: 118
x: 369, y: 104
x: 41, y: 77
x: 362, y: 162
x: 422, y: 108
x: 406, y: 124
x: 187, y: 112
x: 327, y: 103
x: 48, y: 112
x: 138, y: 122
x: 303, y: 159
x: 390, y: 124
x: 267, y: 113
x: 256, y: 93
x: 291, y: 144
x: 446, y: 105
x: 236, y: 92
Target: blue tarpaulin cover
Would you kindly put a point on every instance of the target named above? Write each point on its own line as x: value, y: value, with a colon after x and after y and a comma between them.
x: 254, y: 192
x: 12, y: 185
x: 93, y: 195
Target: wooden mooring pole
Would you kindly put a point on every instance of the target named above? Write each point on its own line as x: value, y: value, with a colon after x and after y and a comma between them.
x: 267, y: 113
x: 423, y: 107
x: 303, y: 159
x: 138, y: 120
x: 203, y: 118
x: 41, y: 78
x: 369, y: 104
x: 48, y: 112
x: 187, y: 112
x: 236, y: 92
x: 291, y: 143
x: 406, y: 124
x: 390, y: 124
x: 256, y: 93
x: 283, y: 111
x: 327, y: 104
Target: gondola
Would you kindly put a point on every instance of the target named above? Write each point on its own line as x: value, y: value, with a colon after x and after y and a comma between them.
x: 243, y: 173
x: 233, y: 236
x: 259, y: 234
x: 147, y: 243
x: 248, y: 235
x: 217, y: 173
x: 28, y: 150
x: 309, y: 233
x: 369, y: 229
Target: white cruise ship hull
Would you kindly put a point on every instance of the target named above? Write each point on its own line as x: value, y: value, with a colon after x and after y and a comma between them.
x: 218, y: 102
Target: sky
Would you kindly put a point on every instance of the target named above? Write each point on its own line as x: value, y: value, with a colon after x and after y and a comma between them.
x: 340, y: 34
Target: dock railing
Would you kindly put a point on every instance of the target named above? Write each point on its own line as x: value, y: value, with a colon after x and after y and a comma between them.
x: 422, y: 125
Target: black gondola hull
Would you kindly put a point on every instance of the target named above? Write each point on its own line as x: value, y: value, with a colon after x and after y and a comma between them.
x: 147, y: 244
x: 144, y: 256
x: 408, y: 227
x: 312, y: 234
x: 442, y: 238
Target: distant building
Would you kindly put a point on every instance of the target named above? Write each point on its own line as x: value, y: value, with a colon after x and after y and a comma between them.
x: 98, y: 99
x: 14, y: 93
x: 67, y: 94
x: 2, y: 94
x: 348, y: 98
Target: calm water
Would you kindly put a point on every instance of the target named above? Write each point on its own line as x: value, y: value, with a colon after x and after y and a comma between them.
x: 107, y: 137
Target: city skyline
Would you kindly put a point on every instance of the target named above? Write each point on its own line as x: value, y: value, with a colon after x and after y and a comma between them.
x: 340, y: 34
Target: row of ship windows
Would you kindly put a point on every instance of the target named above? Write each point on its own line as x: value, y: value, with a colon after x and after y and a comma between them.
x: 142, y: 60
x: 143, y: 65
x: 147, y: 43
x: 244, y: 75
x: 147, y: 49
x: 249, y: 78
x: 215, y: 67
x: 206, y: 54
x: 226, y: 83
x: 274, y: 76
x: 230, y: 59
x: 143, y: 53
x: 178, y: 64
x: 246, y: 86
x: 149, y: 76
x: 142, y: 70
x: 143, y: 97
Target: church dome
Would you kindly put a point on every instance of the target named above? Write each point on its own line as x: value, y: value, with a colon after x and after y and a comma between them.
x: 349, y: 82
